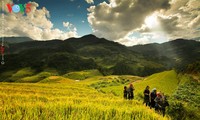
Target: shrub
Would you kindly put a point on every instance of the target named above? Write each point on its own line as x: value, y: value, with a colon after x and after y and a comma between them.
x: 177, y: 110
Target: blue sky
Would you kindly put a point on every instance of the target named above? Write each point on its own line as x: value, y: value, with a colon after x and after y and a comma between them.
x: 73, y: 11
x: 129, y: 22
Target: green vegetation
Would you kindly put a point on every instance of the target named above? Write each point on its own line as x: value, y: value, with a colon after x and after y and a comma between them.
x: 6, y: 75
x: 183, y: 91
x: 165, y: 82
x: 25, y: 75
x: 14, y: 76
x: 56, y: 79
x: 186, y: 99
x: 82, y: 75
x: 36, y: 78
x: 67, y: 101
x: 51, y: 96
x: 192, y: 68
x: 90, y: 52
x: 83, y: 78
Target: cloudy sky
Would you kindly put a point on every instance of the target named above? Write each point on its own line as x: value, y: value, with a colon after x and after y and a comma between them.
x: 129, y: 22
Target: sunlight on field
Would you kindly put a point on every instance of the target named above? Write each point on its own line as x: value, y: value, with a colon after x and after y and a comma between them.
x: 67, y: 101
x: 165, y: 82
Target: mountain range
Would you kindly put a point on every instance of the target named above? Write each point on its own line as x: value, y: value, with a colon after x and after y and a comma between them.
x: 90, y: 52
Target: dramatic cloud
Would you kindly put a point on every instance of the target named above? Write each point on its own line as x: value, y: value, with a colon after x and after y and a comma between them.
x: 129, y: 22
x: 90, y: 1
x: 172, y: 19
x: 130, y: 41
x: 169, y: 24
x: 116, y: 19
x: 186, y: 20
x: 195, y: 22
x: 143, y: 38
x: 35, y: 25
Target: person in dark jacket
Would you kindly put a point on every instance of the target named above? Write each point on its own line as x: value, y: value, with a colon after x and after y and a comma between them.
x: 161, y: 103
x: 130, y: 92
x: 152, y: 98
x: 125, y: 92
x: 158, y: 101
x: 165, y: 104
x: 146, y: 96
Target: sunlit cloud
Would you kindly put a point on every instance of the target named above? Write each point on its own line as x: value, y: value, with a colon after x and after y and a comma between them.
x: 90, y: 1
x: 169, y: 19
x: 35, y: 25
x: 152, y: 21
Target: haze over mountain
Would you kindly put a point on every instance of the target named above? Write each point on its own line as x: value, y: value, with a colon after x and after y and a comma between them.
x: 16, y: 39
x: 90, y: 52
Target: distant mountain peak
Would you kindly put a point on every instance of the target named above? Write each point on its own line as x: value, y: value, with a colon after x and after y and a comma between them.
x: 89, y: 36
x: 17, y: 39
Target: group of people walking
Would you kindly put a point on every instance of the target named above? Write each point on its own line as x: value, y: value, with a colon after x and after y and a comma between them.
x: 153, y: 99
x: 128, y: 92
x: 156, y: 100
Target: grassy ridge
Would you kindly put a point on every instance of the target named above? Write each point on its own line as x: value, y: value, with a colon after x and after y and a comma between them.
x: 14, y: 76
x: 82, y: 75
x: 94, y: 97
x: 67, y: 101
x: 28, y: 75
x: 166, y: 82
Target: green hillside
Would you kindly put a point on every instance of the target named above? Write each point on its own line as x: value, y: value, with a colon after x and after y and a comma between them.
x: 186, y: 98
x: 90, y: 52
x: 67, y: 101
x: 166, y: 82
x: 179, y: 52
x: 82, y: 78
x: 78, y: 92
x: 82, y: 75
